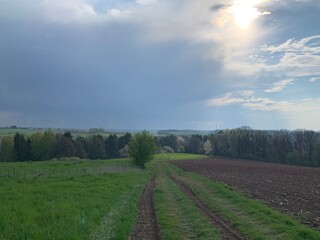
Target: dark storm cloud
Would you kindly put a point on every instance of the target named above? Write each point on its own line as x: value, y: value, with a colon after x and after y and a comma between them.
x: 217, y: 7
x: 97, y: 75
x: 120, y: 64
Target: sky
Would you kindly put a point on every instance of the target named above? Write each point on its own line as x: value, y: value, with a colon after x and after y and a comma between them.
x: 160, y: 64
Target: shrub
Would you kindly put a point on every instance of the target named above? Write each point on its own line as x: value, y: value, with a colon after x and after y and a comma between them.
x: 141, y: 148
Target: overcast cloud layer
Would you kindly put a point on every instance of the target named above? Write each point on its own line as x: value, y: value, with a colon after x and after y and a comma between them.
x: 155, y: 64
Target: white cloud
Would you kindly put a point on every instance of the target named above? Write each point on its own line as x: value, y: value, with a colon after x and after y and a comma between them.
x: 67, y: 11
x: 248, y: 100
x: 314, y: 79
x: 80, y: 11
x: 291, y: 111
x: 279, y: 86
x: 297, y: 58
x: 118, y: 13
x: 145, y: 2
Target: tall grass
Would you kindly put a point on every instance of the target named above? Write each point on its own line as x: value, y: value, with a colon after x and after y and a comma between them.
x: 67, y: 203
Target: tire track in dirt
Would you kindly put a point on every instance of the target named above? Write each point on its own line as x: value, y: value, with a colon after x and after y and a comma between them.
x: 146, y: 226
x: 294, y: 190
x: 226, y: 230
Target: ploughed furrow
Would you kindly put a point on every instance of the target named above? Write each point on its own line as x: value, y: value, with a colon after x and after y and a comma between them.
x: 146, y: 226
x: 226, y: 229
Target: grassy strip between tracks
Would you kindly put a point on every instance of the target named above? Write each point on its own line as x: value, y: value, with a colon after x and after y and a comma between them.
x: 176, y: 214
x: 251, y: 218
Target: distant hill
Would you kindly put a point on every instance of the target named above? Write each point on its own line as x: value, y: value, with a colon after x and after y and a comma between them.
x: 185, y: 132
x: 28, y: 131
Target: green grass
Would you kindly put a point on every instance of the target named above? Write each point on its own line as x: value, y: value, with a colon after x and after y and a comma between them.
x: 63, y: 167
x: 177, y: 216
x: 29, y: 131
x: 97, y: 199
x: 67, y: 202
x: 250, y: 217
x: 70, y: 198
x: 11, y: 132
x: 178, y: 156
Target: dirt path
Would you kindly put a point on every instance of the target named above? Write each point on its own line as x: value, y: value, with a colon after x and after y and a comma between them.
x: 226, y: 229
x: 146, y: 226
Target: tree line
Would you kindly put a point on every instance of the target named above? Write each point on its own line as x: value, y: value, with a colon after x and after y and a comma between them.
x: 49, y: 145
x: 300, y: 147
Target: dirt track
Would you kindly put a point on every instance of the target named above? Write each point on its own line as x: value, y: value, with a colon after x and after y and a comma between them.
x: 290, y: 189
x: 146, y: 226
x: 226, y: 230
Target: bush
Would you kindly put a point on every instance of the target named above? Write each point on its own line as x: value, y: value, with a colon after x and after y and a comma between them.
x: 166, y: 149
x: 141, y: 148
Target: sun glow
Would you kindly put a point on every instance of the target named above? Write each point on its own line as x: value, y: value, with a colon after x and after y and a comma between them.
x: 246, y: 11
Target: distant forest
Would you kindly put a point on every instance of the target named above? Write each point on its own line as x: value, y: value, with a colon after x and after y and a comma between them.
x: 300, y: 147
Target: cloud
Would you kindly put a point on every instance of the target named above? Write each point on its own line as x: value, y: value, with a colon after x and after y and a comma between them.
x: 145, y: 2
x: 314, y: 79
x: 279, y: 86
x: 99, y: 49
x: 291, y: 111
x: 218, y: 6
x: 8, y: 118
x: 66, y: 11
x: 118, y: 13
x: 248, y: 100
x: 295, y: 58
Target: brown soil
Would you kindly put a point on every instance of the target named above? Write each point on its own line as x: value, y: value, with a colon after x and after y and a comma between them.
x: 291, y: 189
x: 226, y: 229
x: 146, y: 226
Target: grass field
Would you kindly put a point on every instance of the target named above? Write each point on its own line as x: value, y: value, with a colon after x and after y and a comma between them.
x: 69, y: 199
x: 86, y: 199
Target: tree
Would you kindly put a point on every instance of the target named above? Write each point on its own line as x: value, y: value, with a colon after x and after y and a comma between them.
x: 316, y: 156
x: 170, y: 141
x: 80, y: 145
x: 111, y: 143
x: 96, y: 147
x: 36, y: 146
x: 124, y: 140
x: 207, y: 147
x: 47, y: 145
x: 7, y: 152
x: 194, y: 144
x: 64, y: 146
x: 22, y: 147
x: 142, y: 148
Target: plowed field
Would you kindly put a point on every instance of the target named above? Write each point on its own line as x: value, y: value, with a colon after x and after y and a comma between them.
x: 291, y: 189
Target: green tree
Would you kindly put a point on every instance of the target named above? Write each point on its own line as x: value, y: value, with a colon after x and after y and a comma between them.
x: 96, y: 147
x: 64, y: 146
x: 22, y: 147
x: 7, y: 152
x: 47, y: 145
x: 36, y: 146
x: 316, y: 156
x: 142, y: 148
x: 124, y: 140
x: 170, y: 141
x: 111, y: 143
x: 80, y: 145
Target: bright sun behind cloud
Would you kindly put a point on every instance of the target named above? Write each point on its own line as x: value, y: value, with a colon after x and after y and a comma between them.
x: 246, y: 11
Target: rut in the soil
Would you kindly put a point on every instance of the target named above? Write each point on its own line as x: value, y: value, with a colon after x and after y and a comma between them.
x: 226, y: 229
x: 146, y: 226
